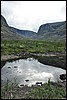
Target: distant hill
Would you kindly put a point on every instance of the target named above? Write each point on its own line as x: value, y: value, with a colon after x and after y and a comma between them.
x: 50, y: 31
x: 12, y: 33
x: 24, y: 33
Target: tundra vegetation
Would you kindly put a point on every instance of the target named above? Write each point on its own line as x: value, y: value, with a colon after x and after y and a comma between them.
x: 32, y: 46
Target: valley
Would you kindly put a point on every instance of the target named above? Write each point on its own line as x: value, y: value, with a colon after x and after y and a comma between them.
x: 48, y: 46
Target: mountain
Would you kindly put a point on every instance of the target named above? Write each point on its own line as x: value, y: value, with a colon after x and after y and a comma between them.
x: 24, y: 33
x: 52, y: 31
x: 12, y: 33
x: 7, y: 33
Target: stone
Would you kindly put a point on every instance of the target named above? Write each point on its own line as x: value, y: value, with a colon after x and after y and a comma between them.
x: 15, y: 66
x: 39, y: 83
x: 9, y: 67
x: 63, y: 76
x: 26, y: 80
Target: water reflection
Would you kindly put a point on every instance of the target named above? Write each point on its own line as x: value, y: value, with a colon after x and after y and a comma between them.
x: 29, y: 69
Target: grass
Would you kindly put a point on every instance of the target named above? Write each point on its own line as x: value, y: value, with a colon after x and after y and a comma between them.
x: 8, y: 88
x: 32, y: 46
x: 46, y: 91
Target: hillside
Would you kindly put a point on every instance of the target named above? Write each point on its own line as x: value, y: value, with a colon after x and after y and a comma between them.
x: 10, y: 33
x: 24, y: 33
x: 7, y: 33
x: 52, y: 31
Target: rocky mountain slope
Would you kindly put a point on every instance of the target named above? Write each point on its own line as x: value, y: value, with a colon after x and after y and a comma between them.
x: 12, y: 33
x: 52, y: 31
x: 49, y: 31
x: 7, y: 33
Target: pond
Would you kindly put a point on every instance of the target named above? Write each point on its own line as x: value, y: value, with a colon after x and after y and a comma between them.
x: 28, y: 72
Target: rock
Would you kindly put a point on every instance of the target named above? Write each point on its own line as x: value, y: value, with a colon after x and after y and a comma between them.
x: 62, y: 84
x: 9, y: 67
x: 29, y: 59
x: 63, y: 76
x: 53, y: 83
x: 15, y: 66
x: 39, y: 83
x: 26, y: 80
x: 21, y: 85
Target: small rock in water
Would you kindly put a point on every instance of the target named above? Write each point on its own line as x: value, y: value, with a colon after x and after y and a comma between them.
x: 19, y: 72
x: 26, y: 80
x: 39, y: 83
x: 63, y: 76
x: 29, y: 59
x: 9, y: 67
x: 15, y: 66
x: 21, y: 85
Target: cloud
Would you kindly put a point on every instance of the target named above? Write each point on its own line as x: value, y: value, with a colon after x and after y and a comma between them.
x: 63, y: 10
x: 31, y: 14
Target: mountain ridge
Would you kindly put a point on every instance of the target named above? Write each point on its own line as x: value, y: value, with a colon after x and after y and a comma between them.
x: 48, y: 31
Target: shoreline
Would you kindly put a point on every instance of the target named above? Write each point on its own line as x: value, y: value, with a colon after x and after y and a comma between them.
x: 22, y: 55
x: 53, y: 59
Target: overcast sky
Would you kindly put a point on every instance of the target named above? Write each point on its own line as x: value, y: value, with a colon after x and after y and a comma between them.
x: 29, y: 15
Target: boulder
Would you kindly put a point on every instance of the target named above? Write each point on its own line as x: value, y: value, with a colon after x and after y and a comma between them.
x: 63, y: 76
x: 38, y: 83
x: 26, y: 80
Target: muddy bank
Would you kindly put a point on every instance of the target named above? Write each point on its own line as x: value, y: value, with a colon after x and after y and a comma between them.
x: 56, y: 59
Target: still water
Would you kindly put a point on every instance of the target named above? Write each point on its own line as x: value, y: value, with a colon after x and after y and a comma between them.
x: 29, y: 69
